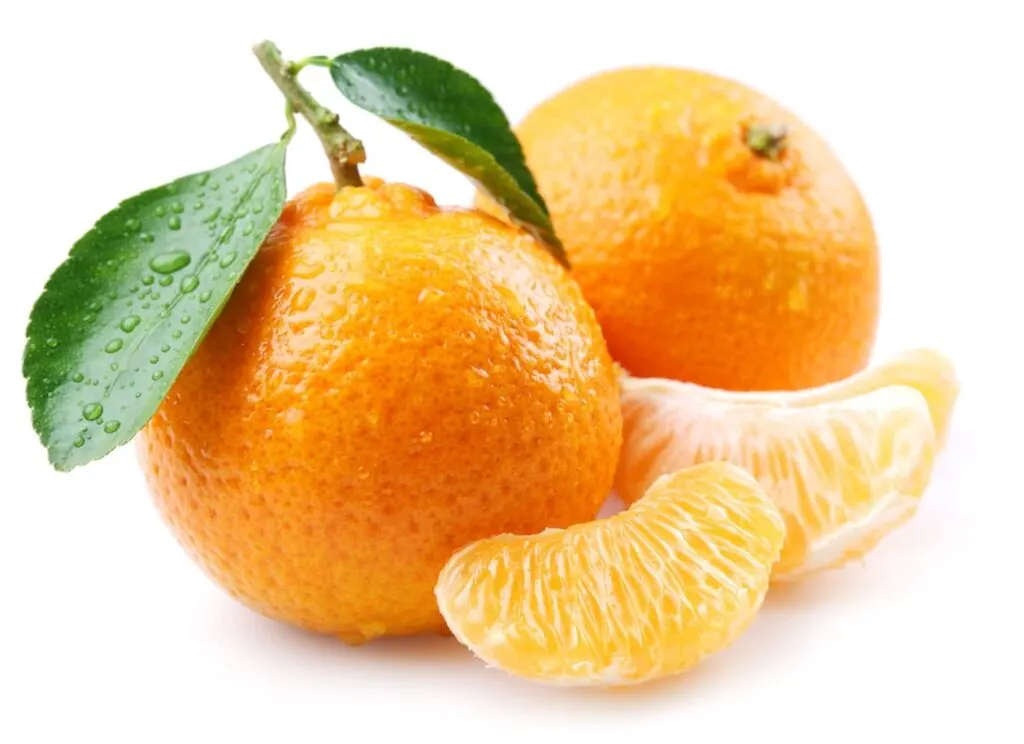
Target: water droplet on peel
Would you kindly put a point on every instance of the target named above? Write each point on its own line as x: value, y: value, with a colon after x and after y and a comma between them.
x: 52, y: 343
x: 176, y: 334
x: 205, y: 296
x: 430, y: 295
x: 158, y: 375
x: 165, y: 281
x: 229, y: 258
x: 111, y: 426
x: 308, y: 269
x: 147, y: 279
x: 77, y: 377
x: 189, y: 283
x: 168, y: 263
x: 113, y: 346
x: 303, y: 299
x: 174, y: 222
x: 130, y: 323
x: 92, y: 411
x: 362, y: 473
x: 79, y: 441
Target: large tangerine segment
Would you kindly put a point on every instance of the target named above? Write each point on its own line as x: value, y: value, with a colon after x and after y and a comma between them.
x: 643, y: 594
x: 843, y: 471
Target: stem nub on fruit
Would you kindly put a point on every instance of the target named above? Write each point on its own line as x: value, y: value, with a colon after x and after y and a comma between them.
x: 766, y: 140
x: 343, y: 150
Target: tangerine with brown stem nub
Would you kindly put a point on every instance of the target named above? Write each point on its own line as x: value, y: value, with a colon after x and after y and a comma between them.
x: 718, y: 238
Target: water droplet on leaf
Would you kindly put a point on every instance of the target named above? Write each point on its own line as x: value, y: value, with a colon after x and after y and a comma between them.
x: 168, y: 263
x: 130, y: 323
x: 113, y: 346
x: 92, y: 411
x: 189, y: 283
x: 111, y: 426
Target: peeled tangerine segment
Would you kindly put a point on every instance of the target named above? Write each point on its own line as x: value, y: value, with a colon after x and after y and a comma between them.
x: 928, y: 371
x: 643, y: 594
x: 845, y: 463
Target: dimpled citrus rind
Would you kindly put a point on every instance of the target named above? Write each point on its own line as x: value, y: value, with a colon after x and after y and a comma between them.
x: 389, y: 381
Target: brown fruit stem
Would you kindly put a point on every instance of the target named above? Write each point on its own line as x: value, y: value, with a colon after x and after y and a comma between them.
x: 343, y: 150
x: 766, y: 140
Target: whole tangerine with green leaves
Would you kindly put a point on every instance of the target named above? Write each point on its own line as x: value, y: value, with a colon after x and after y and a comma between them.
x: 336, y: 392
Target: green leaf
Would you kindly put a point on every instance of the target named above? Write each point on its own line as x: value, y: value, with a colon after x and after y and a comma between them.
x: 455, y: 117
x: 120, y: 317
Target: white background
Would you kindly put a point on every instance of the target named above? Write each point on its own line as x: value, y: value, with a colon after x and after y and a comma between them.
x: 107, y: 630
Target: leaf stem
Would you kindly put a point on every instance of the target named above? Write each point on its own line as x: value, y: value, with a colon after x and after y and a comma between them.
x: 343, y: 150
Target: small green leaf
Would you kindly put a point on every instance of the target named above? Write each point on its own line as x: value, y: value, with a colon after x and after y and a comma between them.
x: 120, y: 317
x: 455, y: 117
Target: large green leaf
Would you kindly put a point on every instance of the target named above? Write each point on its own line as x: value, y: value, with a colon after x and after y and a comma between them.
x: 451, y: 114
x: 119, y: 318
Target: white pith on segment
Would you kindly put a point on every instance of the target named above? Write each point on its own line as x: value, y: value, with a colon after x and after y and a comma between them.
x: 843, y: 472
x: 644, y: 593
